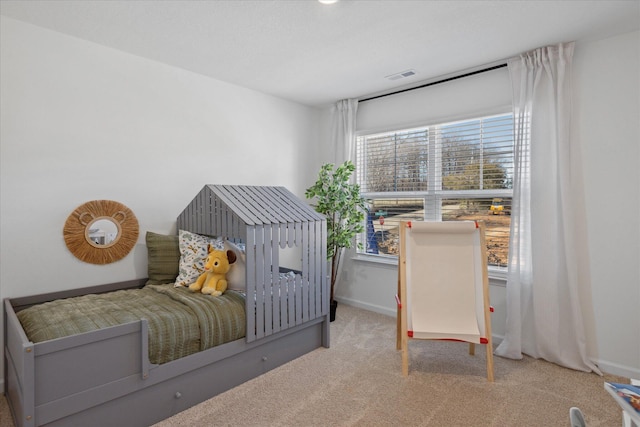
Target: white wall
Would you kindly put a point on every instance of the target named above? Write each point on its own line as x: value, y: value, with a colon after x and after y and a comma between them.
x: 607, y: 109
x: 607, y: 121
x: 82, y: 122
x: 481, y: 94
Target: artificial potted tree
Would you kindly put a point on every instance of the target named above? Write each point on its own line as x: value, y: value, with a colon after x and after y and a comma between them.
x: 341, y: 203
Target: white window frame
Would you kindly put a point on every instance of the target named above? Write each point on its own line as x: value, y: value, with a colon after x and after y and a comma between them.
x: 434, y: 194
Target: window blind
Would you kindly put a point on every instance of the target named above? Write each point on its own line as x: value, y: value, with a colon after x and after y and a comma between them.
x: 459, y: 170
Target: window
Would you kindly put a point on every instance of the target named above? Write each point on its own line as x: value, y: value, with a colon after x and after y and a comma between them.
x: 446, y: 172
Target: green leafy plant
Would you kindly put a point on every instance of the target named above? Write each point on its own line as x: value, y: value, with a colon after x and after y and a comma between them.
x: 343, y: 206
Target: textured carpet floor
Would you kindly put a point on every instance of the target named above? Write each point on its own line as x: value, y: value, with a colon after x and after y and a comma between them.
x: 358, y: 382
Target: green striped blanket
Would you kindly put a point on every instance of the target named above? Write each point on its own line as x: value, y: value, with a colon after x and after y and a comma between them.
x: 180, y: 322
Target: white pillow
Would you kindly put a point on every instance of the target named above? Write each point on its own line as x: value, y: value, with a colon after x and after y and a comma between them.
x: 193, y: 252
x: 237, y: 275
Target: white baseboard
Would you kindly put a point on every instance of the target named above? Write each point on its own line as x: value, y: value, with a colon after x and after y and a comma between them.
x: 365, y: 306
x: 607, y: 367
x: 616, y: 369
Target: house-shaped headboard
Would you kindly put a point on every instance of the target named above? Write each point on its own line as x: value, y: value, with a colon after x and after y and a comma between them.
x: 267, y: 219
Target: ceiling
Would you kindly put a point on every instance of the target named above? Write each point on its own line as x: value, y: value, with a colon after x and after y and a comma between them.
x: 316, y: 54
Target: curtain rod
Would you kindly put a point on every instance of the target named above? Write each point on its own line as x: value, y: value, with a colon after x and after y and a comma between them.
x: 436, y: 82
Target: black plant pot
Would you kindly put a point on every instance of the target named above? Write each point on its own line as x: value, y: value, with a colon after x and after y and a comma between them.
x: 332, y: 310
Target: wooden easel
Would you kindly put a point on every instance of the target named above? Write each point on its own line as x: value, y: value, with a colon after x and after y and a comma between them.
x: 443, y: 286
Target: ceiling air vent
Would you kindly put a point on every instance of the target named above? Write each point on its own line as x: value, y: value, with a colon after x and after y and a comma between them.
x: 401, y: 75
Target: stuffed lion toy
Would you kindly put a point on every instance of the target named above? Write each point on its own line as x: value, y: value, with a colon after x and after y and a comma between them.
x: 214, y: 281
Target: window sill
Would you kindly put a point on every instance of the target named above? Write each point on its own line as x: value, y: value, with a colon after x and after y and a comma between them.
x: 497, y: 275
x: 376, y: 259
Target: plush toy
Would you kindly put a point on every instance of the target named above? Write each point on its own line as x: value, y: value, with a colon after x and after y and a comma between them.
x: 213, y: 281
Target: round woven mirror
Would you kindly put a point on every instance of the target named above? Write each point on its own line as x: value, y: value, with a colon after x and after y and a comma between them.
x: 101, y: 231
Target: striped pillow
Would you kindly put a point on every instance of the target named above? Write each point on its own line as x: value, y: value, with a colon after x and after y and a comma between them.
x: 163, y: 255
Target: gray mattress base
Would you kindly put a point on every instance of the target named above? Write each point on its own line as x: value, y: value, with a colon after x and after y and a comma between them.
x: 104, y: 378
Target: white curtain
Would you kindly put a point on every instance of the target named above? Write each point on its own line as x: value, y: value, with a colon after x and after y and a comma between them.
x: 546, y: 266
x: 343, y: 126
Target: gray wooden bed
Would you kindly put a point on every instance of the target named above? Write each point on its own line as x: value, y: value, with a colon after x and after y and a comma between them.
x: 104, y: 377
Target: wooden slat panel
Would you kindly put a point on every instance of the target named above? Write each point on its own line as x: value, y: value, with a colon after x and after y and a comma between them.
x: 306, y: 300
x: 201, y: 219
x: 220, y: 212
x: 279, y: 212
x: 191, y: 215
x: 255, y: 202
x: 281, y: 288
x: 228, y: 222
x: 299, y: 236
x: 284, y: 234
x: 260, y: 279
x: 210, y: 213
x: 302, y: 210
x: 236, y: 198
x: 291, y: 301
x: 274, y: 210
x: 275, y: 268
x: 237, y: 226
x: 319, y: 269
x: 250, y: 304
x: 291, y: 304
x: 321, y: 273
x: 307, y: 255
x: 309, y: 276
x: 275, y: 251
x: 268, y: 281
x: 195, y: 223
x: 290, y: 234
x: 225, y: 219
x: 301, y: 298
x: 224, y: 201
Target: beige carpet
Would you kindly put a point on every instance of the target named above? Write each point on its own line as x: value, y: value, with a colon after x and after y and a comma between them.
x: 357, y: 382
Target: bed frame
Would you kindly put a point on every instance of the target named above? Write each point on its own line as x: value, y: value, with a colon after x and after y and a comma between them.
x: 105, y: 378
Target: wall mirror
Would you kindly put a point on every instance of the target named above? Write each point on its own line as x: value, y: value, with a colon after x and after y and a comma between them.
x: 101, y: 231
